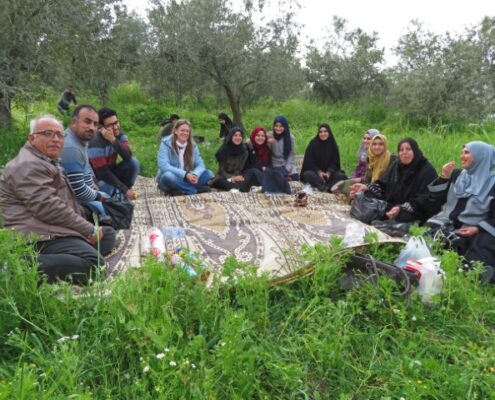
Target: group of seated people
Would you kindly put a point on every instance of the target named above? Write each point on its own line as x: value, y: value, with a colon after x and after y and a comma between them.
x: 57, y: 187
x: 43, y: 187
x: 458, y: 203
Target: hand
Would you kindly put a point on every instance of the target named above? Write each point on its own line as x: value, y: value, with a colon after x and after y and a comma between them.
x: 447, y: 170
x: 104, y: 196
x: 324, y: 175
x: 108, y: 134
x: 356, y: 188
x: 191, y: 178
x: 467, y: 231
x: 269, y: 138
x: 131, y: 194
x: 393, y: 212
x: 93, y: 239
x: 357, y: 180
x: 237, y: 178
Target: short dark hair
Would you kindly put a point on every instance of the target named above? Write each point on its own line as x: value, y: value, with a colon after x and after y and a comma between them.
x: 105, y: 113
x: 78, y: 109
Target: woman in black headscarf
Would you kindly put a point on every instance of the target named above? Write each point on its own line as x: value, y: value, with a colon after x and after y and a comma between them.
x: 225, y: 125
x: 405, y: 185
x: 321, y: 164
x: 231, y: 158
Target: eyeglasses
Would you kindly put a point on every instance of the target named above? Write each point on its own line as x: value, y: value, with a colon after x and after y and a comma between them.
x: 112, y: 125
x: 51, y: 134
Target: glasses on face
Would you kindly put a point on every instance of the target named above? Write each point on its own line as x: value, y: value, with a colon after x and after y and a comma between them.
x: 51, y: 134
x: 112, y: 125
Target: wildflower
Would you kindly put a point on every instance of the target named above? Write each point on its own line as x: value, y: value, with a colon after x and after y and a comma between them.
x: 186, y: 362
x: 166, y: 349
x: 193, y: 366
x: 396, y: 310
x: 160, y: 356
x: 413, y: 318
x: 75, y: 337
x: 172, y: 363
x: 146, y: 369
x: 63, y: 339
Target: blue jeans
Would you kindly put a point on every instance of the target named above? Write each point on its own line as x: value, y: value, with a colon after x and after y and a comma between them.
x: 127, y: 172
x: 169, y: 181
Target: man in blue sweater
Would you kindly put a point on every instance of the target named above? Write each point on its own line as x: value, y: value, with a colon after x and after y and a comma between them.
x: 82, y: 129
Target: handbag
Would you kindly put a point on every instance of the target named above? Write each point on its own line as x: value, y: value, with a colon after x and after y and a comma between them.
x: 366, y: 207
x: 120, y: 213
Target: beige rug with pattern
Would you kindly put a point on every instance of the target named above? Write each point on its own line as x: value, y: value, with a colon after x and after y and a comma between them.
x: 264, y: 230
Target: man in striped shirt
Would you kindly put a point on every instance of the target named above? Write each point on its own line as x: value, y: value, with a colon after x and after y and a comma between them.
x: 114, y: 178
x: 82, y: 129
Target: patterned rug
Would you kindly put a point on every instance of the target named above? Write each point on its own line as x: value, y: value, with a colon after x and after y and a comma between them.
x: 264, y: 230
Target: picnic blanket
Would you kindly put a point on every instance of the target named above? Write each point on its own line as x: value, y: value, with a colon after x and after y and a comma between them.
x: 260, y: 229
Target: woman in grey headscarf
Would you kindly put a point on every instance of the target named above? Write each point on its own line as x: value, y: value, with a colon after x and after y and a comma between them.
x: 468, y: 215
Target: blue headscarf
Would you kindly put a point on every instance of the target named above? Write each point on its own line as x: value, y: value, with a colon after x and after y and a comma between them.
x: 363, y: 151
x: 285, y: 135
x: 479, y: 179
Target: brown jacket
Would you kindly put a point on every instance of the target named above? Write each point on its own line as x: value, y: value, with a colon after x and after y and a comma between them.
x: 36, y: 197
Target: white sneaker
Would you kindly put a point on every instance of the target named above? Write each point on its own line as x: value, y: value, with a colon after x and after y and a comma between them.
x: 255, y: 189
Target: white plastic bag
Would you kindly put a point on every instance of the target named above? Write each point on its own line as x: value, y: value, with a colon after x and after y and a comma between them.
x: 154, y: 243
x: 354, y: 234
x: 430, y: 276
x: 415, y: 249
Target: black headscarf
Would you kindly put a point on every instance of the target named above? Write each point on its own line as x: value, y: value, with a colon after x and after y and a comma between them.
x: 229, y: 149
x: 322, y: 155
x: 285, y: 135
x: 225, y: 129
x: 407, y: 182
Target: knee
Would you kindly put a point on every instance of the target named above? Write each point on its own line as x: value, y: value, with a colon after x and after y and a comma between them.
x: 107, y: 242
x: 165, y: 179
x: 135, y: 164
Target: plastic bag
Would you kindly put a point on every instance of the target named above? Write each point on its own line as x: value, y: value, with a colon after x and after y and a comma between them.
x: 430, y: 276
x: 354, y: 234
x: 415, y: 249
x: 366, y: 208
x: 154, y: 243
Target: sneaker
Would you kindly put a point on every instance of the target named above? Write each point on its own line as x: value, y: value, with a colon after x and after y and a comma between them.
x: 204, y: 189
x: 255, y: 189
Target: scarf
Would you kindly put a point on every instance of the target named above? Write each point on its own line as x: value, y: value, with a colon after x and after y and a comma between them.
x: 261, y: 149
x: 182, y: 149
x: 224, y: 129
x: 478, y: 179
x: 378, y: 164
x: 363, y: 151
x: 285, y: 135
x: 229, y: 149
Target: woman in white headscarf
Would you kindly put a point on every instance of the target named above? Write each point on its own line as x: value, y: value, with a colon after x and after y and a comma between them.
x: 468, y: 215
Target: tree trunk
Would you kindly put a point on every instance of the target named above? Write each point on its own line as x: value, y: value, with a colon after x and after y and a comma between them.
x: 5, y: 112
x: 234, y: 106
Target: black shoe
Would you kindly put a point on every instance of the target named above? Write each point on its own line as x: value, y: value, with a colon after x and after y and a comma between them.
x: 177, y: 192
x: 204, y: 189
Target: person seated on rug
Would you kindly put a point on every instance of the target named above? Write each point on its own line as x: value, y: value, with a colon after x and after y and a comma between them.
x: 226, y: 125
x: 321, y: 163
x: 359, y: 172
x: 467, y: 218
x: 404, y: 187
x: 231, y: 158
x: 36, y: 198
x: 167, y: 126
x: 258, y: 158
x: 115, y: 179
x: 282, y: 166
x: 379, y: 160
x: 74, y: 159
x: 181, y: 170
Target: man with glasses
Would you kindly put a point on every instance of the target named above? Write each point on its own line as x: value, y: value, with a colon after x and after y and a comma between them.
x: 82, y: 129
x: 116, y: 179
x: 36, y: 198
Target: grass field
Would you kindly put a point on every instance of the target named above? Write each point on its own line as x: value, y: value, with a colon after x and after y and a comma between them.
x: 154, y: 333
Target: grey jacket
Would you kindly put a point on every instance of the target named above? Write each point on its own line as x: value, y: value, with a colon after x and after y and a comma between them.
x: 35, y: 197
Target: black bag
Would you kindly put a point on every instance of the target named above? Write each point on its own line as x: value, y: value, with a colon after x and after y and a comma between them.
x: 120, y: 213
x: 366, y: 207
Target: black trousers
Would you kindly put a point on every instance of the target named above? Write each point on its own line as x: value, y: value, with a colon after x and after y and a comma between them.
x: 73, y: 258
x: 313, y: 179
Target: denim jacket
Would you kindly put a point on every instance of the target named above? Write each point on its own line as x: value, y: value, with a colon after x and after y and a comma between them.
x: 168, y: 160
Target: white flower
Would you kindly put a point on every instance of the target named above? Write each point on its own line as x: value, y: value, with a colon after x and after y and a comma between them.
x: 75, y: 337
x: 172, y: 363
x: 146, y: 369
x: 414, y: 318
x: 193, y: 366
x: 160, y: 356
x: 166, y: 349
x: 396, y: 310
x: 63, y: 339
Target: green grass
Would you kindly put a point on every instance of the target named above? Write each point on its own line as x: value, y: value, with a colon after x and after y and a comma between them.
x: 154, y: 333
